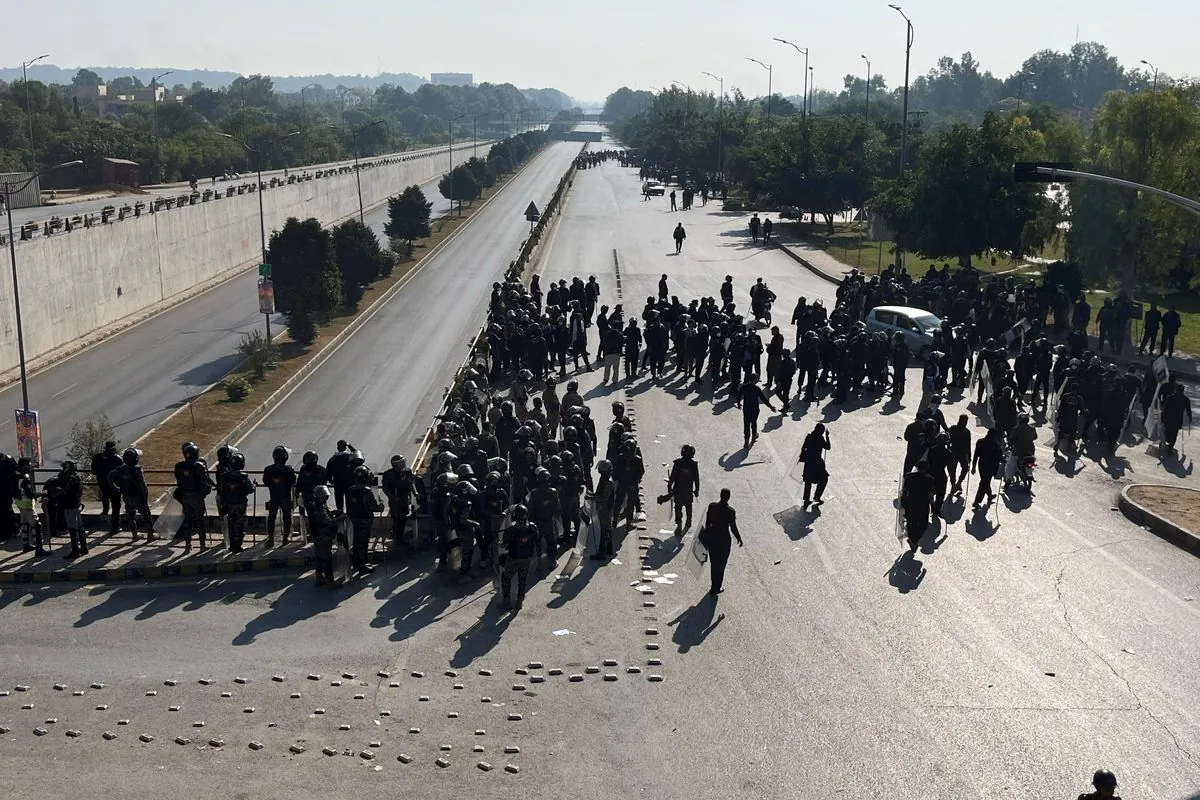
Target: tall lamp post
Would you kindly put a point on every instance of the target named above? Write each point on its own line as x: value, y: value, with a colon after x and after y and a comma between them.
x: 157, y: 140
x: 908, y: 43
x: 304, y: 115
x: 804, y: 52
x: 475, y: 135
x: 812, y: 89
x: 357, y: 179
x: 262, y: 223
x: 25, y: 65
x: 867, y: 104
x: 7, y: 190
x: 720, y: 121
x: 1153, y: 69
x: 770, y: 90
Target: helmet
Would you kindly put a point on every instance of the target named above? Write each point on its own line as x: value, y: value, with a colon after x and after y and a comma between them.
x: 320, y: 493
x: 130, y: 457
x: 492, y: 479
x: 687, y: 451
x: 604, y: 465
x: 568, y: 458
x: 469, y: 386
x: 466, y: 489
x: 498, y: 465
x: 68, y: 466
x: 618, y: 407
x: 553, y: 463
x: 520, y: 513
x: 465, y: 471
x: 572, y: 386
x: 399, y: 463
x: 183, y: 448
x: 310, y: 458
x: 280, y: 454
x: 362, y: 474
x: 570, y: 433
x: 224, y: 452
x: 525, y: 375
x: 237, y: 461
x: 1103, y: 779
x: 190, y: 451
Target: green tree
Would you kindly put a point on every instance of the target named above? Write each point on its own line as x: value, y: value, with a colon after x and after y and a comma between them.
x: 961, y: 200
x: 458, y: 186
x: 359, y: 257
x: 408, y: 217
x: 481, y: 172
x: 307, y: 279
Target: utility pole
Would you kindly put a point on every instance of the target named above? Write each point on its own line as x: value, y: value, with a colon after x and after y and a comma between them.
x: 867, y: 104
x: 720, y: 123
x: 157, y: 141
x: 770, y: 90
x: 908, y: 43
x: 804, y: 52
x: 25, y: 65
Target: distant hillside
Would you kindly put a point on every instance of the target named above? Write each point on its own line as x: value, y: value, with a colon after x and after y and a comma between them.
x: 215, y: 79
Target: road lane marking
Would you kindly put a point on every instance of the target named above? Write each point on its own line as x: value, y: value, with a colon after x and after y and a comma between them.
x: 63, y: 391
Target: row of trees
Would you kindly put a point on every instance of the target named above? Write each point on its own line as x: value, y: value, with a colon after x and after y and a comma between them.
x: 957, y: 199
x: 317, y: 270
x: 42, y: 125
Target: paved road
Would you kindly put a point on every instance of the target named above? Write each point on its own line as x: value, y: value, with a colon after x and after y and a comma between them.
x: 140, y: 375
x: 40, y: 214
x: 1003, y: 662
x: 381, y: 390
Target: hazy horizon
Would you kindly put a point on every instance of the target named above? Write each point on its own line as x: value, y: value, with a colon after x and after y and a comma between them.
x: 587, y: 53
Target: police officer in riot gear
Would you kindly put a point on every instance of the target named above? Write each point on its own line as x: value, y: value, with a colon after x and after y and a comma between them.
x: 192, y: 485
x: 233, y: 487
x: 683, y: 485
x: 402, y: 488
x: 103, y: 463
x: 280, y: 480
x: 310, y: 475
x: 323, y: 528
x: 31, y: 524
x: 605, y: 500
x: 361, y: 505
x: 64, y: 498
x: 131, y: 483
x: 341, y: 472
x: 521, y: 544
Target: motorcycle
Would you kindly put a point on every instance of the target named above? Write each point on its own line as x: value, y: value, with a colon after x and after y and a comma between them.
x: 762, y: 312
x: 1021, y: 472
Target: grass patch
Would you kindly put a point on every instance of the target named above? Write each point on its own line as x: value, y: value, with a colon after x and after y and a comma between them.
x: 849, y: 244
x: 210, y: 416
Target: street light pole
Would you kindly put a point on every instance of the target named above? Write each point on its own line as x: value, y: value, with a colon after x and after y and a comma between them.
x: 812, y: 88
x: 720, y: 122
x: 25, y: 65
x: 770, y: 89
x: 867, y: 105
x: 1153, y: 88
x: 262, y: 223
x: 450, y: 129
x: 7, y: 190
x: 357, y: 178
x: 804, y: 52
x: 157, y: 140
x: 908, y: 42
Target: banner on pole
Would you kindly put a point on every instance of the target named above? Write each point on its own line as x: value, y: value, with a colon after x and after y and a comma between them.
x: 29, y: 436
x: 266, y: 296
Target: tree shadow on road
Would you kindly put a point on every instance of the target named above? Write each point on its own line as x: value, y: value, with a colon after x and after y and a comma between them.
x: 694, y: 625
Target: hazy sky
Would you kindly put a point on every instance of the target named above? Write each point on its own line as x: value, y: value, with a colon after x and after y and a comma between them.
x: 588, y: 49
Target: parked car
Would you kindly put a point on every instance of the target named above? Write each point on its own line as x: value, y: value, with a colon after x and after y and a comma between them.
x: 653, y: 187
x: 916, y: 324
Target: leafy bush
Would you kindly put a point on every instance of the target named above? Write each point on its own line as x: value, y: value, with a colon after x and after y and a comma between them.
x: 734, y: 204
x: 260, y: 354
x: 301, y: 328
x: 1066, y: 274
x: 86, y: 440
x: 236, y: 388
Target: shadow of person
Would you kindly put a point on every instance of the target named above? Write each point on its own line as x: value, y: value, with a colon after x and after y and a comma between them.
x: 953, y: 509
x: 694, y: 625
x: 774, y: 422
x: 300, y: 601
x: 1174, y: 464
x: 1018, y: 502
x: 662, y: 552
x: 566, y: 589
x: 906, y: 573
x: 796, y: 521
x: 479, y: 639
x: 980, y: 525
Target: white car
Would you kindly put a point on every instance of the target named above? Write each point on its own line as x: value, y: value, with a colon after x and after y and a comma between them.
x: 653, y: 187
x: 916, y: 324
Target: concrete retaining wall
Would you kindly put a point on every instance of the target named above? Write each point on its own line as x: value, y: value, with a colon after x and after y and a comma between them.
x: 74, y: 284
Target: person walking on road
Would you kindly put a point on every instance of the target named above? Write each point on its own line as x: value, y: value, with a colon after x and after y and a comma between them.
x: 680, y: 234
x: 812, y: 456
x: 673, y: 206
x: 916, y: 498
x: 989, y: 457
x: 755, y: 225
x: 719, y: 524
x: 767, y: 226
x: 1170, y: 329
x: 683, y: 486
x: 1150, y: 325
x: 748, y: 398
x: 662, y: 289
x: 1175, y: 407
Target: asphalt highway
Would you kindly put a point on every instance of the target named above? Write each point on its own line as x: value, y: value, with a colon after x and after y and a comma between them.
x: 140, y: 375
x: 382, y: 388
x: 1019, y: 650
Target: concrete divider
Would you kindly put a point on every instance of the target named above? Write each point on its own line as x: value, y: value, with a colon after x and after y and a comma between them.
x: 75, y: 284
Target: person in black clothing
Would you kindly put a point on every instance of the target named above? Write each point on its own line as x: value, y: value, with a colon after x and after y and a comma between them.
x: 233, y: 487
x: 323, y: 528
x: 309, y: 477
x: 812, y: 455
x: 748, y: 398
x: 131, y: 483
x: 916, y: 498
x: 1175, y: 405
x: 521, y: 547
x: 1170, y: 329
x: 1105, y: 784
x: 683, y: 486
x: 361, y: 505
x: 960, y: 453
x: 103, y: 463
x: 719, y: 523
x: 986, y: 463
x: 1150, y: 325
x: 662, y: 288
x: 680, y: 234
x: 8, y: 493
x: 64, y: 499
x: 280, y: 479
x: 192, y: 485
x: 401, y: 487
x: 900, y: 356
x: 938, y: 457
x: 338, y: 469
x: 782, y: 380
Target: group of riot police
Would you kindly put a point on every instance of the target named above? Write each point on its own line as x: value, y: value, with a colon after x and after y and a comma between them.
x: 594, y: 158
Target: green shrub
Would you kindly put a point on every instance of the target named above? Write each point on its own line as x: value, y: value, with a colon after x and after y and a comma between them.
x: 260, y: 354
x: 236, y: 388
x: 302, y: 328
x: 734, y: 204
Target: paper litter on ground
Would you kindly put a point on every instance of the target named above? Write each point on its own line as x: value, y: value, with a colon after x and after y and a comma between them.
x: 563, y: 632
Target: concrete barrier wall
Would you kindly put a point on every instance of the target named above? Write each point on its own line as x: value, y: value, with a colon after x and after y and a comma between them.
x: 77, y: 283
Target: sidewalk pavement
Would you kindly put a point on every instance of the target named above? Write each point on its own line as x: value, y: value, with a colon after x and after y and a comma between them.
x: 119, y: 558
x: 1184, y: 366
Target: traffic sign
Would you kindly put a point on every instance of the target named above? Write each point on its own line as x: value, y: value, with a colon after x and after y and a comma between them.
x: 531, y: 213
x: 264, y: 270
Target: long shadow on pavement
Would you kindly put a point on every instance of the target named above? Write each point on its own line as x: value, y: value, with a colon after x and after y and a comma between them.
x: 299, y: 601
x: 694, y: 625
x: 906, y: 573
x: 479, y: 639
